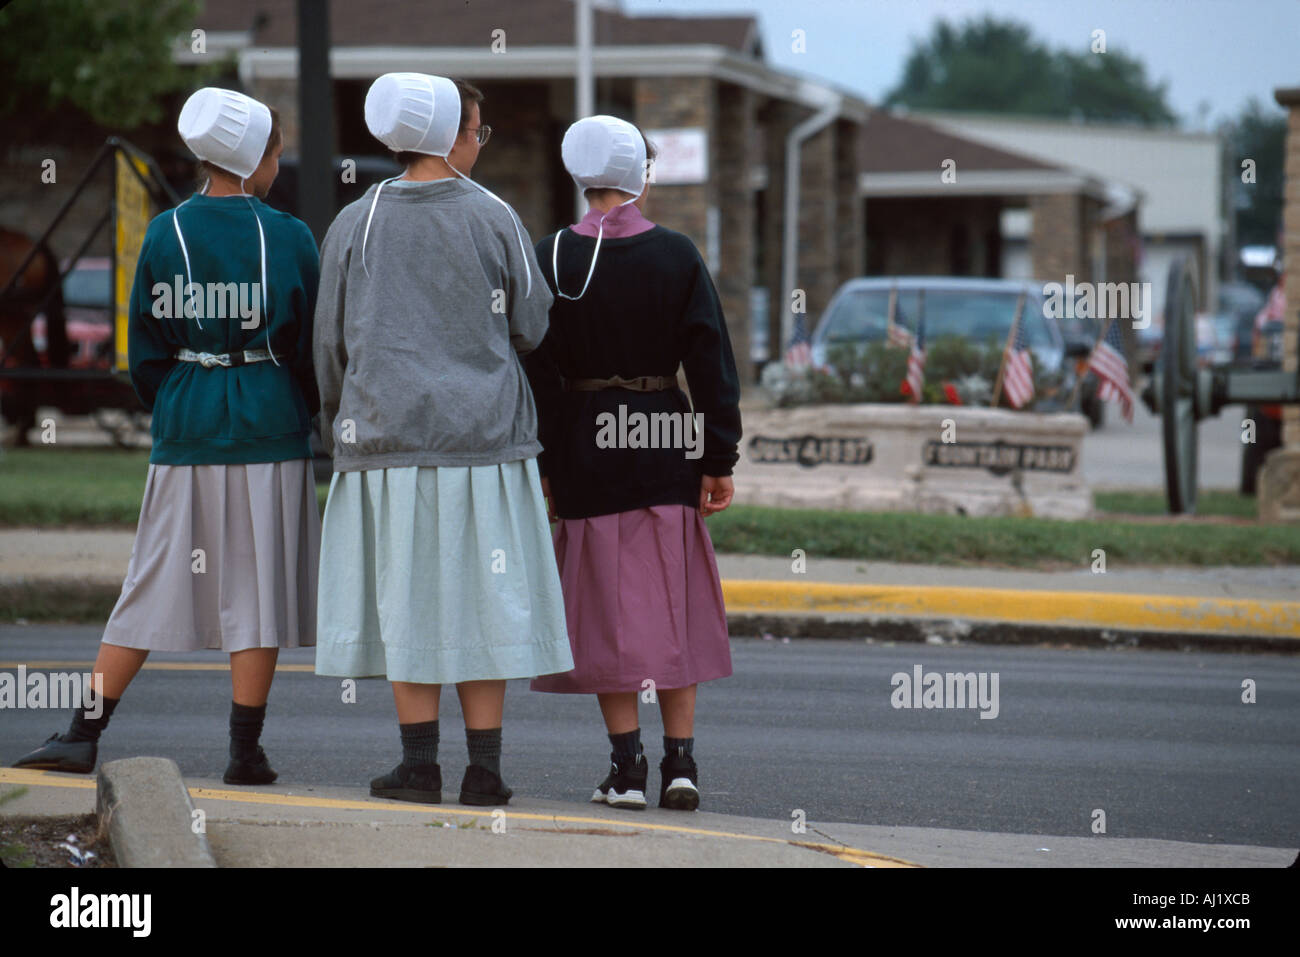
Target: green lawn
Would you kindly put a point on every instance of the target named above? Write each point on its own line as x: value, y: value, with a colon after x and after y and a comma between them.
x: 1209, y: 502
x: 71, y: 486
x: 1024, y: 542
x: 61, y: 486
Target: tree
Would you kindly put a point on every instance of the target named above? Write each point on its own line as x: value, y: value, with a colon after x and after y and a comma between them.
x: 996, y: 66
x: 1257, y: 134
x: 111, y: 59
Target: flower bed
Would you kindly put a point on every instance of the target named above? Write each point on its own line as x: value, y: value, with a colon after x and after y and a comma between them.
x: 957, y: 372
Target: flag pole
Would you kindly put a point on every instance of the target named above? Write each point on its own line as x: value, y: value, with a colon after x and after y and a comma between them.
x: 1011, y: 337
x: 893, y: 309
x: 1078, y: 379
x: 920, y: 332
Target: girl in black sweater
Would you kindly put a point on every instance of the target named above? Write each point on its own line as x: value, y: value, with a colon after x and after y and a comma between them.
x: 628, y: 471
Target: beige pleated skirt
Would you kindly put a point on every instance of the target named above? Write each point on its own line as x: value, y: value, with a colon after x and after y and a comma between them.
x: 225, y: 557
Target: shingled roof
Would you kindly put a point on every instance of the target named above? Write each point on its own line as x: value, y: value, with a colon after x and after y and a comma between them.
x: 891, y: 144
x: 469, y: 23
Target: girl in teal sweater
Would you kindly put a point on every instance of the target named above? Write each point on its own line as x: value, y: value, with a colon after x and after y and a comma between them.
x: 219, y: 344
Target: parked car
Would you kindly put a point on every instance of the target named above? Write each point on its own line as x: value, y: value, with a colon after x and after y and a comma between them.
x: 1266, y: 353
x: 1216, y: 339
x: 367, y: 170
x: 88, y: 323
x: 976, y: 309
x: 1149, y: 341
x: 1243, y: 301
x: 88, y: 311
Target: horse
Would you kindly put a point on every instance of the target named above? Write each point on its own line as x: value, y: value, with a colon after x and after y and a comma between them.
x: 37, y: 290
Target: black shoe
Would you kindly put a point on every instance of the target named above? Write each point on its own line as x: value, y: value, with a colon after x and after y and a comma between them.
x: 624, y: 786
x: 421, y: 784
x: 77, y: 757
x: 253, y: 769
x: 482, y: 788
x: 679, y: 782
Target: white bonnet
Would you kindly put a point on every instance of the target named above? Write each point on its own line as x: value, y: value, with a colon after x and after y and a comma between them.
x: 225, y: 128
x: 604, y: 152
x: 414, y: 112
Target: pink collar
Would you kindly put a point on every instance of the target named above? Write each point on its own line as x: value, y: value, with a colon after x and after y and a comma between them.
x: 621, y: 221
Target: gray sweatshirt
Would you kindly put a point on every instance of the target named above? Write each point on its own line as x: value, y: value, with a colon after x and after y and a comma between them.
x: 418, y: 362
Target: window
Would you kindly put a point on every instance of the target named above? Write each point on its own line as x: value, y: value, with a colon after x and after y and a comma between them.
x: 863, y: 315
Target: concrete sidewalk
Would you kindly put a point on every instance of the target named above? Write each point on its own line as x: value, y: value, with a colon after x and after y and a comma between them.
x: 98, y: 554
x: 1237, y: 609
x: 283, y: 826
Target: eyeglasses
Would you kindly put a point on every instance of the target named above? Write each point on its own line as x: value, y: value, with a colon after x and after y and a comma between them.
x: 481, y: 132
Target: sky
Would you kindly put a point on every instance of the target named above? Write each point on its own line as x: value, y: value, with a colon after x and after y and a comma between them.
x: 1212, y: 54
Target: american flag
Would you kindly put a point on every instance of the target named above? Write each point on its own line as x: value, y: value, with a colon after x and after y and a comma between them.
x: 1018, y: 372
x: 899, y: 336
x: 1108, y: 362
x: 799, y: 355
x: 916, y: 362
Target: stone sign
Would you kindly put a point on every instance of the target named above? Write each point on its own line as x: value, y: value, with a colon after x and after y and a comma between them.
x: 896, y: 457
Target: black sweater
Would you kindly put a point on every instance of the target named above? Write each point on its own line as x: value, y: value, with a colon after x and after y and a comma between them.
x: 651, y: 305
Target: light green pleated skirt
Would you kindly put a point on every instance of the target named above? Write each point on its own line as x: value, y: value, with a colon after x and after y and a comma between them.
x: 439, y: 575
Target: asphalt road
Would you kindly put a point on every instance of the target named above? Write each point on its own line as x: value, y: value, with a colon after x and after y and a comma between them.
x: 1159, y: 741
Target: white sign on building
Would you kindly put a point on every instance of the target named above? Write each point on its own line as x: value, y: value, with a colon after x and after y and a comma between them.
x: 683, y: 155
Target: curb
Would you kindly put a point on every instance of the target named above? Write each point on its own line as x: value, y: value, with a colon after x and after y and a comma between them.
x: 148, y: 814
x: 950, y: 631
x: 1188, y: 617
x: 889, y: 613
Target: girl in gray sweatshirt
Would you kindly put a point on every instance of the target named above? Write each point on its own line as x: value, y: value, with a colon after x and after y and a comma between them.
x: 436, y: 559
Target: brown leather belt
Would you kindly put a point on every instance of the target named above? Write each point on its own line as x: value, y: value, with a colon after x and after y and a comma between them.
x: 645, y: 383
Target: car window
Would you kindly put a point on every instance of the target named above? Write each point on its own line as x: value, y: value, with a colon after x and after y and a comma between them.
x: 1083, y: 328
x: 980, y: 316
x: 92, y: 288
x: 863, y: 315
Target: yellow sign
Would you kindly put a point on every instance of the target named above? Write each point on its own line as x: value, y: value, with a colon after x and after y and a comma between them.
x: 132, y: 219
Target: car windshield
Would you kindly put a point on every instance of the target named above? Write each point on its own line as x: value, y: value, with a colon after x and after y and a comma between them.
x: 88, y: 287
x: 860, y: 316
x: 980, y: 316
x: 863, y: 315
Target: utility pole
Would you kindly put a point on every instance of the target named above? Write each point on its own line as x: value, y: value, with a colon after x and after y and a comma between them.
x: 316, y: 185
x: 583, y: 80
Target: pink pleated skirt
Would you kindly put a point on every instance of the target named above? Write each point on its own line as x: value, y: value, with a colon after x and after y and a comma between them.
x: 643, y: 600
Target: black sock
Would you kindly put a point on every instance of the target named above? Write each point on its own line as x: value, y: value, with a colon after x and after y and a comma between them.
x: 484, y: 746
x: 627, y: 746
x: 89, y: 729
x: 419, y: 742
x: 678, y: 745
x: 245, y: 729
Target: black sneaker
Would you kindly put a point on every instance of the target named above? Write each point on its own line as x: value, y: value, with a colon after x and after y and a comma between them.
x: 679, y: 782
x: 624, y: 786
x: 481, y: 788
x: 253, y: 769
x: 76, y: 757
x: 421, y: 784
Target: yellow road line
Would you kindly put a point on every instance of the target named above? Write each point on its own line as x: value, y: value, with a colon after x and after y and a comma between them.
x: 1094, y: 609
x: 1213, y: 615
x: 45, y: 779
x: 855, y: 855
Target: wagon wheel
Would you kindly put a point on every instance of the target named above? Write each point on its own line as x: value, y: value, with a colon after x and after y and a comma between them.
x: 1178, y: 387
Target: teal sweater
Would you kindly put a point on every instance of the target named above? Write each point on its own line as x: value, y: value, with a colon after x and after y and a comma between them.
x: 259, y: 412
